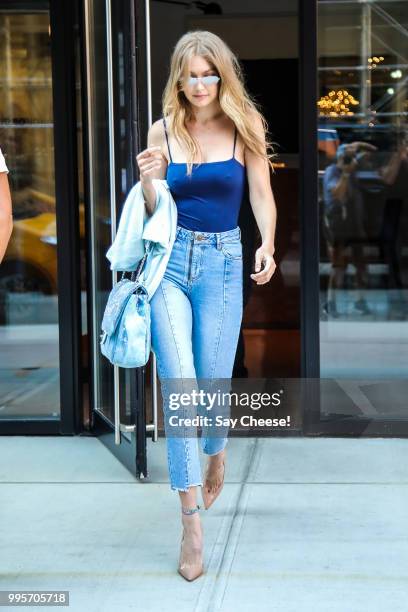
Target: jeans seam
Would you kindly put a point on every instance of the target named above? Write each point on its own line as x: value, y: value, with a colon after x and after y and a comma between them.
x: 181, y: 374
x: 220, y: 323
x: 186, y: 452
x: 172, y: 329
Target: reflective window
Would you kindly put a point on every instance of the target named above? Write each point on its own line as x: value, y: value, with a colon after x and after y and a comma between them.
x: 29, y: 342
x: 363, y: 189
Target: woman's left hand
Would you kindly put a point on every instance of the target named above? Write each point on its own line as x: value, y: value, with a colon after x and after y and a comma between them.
x: 263, y: 254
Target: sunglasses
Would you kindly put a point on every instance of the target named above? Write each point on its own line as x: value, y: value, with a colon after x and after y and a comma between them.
x: 206, y: 80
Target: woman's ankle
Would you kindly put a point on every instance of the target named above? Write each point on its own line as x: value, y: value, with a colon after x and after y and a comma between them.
x: 191, y: 522
x: 218, y: 458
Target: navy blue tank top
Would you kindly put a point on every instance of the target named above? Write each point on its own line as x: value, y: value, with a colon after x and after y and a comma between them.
x: 210, y: 199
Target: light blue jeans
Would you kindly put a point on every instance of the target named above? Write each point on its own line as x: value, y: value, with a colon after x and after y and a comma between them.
x: 196, y: 315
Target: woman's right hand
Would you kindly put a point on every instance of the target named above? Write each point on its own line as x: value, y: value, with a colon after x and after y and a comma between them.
x: 149, y: 161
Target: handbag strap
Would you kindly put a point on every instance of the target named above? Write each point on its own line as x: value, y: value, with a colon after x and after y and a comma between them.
x: 136, y: 273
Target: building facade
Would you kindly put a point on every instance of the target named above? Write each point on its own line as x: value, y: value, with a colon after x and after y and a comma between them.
x: 81, y: 83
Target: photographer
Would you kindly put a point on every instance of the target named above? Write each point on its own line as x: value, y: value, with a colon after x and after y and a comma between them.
x: 343, y: 223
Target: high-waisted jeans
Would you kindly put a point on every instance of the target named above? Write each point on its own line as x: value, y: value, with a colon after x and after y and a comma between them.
x: 196, y: 315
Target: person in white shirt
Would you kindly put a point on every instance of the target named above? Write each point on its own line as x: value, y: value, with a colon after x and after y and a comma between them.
x: 6, y: 217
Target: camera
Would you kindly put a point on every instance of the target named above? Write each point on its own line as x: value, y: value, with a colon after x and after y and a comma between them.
x: 348, y: 158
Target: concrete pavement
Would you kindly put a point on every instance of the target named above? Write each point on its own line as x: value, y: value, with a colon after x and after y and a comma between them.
x: 302, y: 524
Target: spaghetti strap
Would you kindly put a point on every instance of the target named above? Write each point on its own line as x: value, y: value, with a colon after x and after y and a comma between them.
x: 235, y: 140
x: 165, y: 131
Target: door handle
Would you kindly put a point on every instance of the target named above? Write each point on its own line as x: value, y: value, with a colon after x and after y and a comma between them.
x: 154, y: 426
x: 112, y: 183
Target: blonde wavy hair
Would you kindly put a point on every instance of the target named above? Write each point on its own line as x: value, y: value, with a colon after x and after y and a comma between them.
x: 233, y: 98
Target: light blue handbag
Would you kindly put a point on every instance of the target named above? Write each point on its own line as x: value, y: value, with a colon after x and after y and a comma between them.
x: 125, y: 338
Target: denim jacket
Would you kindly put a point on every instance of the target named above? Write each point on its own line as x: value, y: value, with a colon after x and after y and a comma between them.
x: 136, y: 226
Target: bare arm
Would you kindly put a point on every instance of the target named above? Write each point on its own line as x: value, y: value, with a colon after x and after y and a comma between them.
x: 6, y: 218
x: 152, y: 164
x: 264, y: 208
x: 261, y: 196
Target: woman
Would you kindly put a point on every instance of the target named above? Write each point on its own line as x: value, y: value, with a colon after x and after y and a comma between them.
x: 6, y: 219
x: 196, y: 312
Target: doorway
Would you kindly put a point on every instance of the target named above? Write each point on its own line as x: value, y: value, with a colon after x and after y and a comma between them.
x: 40, y: 320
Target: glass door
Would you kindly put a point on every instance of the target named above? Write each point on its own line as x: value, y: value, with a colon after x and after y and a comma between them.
x: 39, y: 294
x: 118, y: 398
x: 29, y: 353
x: 362, y: 64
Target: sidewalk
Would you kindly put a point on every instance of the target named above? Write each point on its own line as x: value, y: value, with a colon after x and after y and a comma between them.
x: 302, y: 524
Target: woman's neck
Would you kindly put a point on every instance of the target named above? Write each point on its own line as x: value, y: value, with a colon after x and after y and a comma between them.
x: 204, y: 116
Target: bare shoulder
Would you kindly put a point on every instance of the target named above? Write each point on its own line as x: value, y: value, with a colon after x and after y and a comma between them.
x: 155, y: 134
x: 157, y: 138
x: 257, y: 123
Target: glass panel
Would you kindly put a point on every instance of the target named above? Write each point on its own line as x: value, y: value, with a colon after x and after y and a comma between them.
x: 101, y: 177
x: 29, y: 351
x: 86, y: 377
x: 363, y: 172
x: 98, y: 118
x: 363, y: 189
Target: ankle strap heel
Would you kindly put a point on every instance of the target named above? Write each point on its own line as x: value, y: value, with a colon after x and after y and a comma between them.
x: 190, y: 510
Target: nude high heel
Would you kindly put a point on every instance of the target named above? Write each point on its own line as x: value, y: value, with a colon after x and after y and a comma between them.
x: 190, y: 567
x: 209, y: 497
